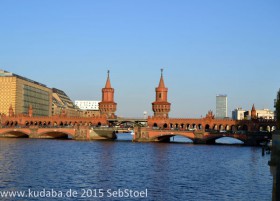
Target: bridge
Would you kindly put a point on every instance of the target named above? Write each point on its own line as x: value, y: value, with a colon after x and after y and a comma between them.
x: 198, y: 137
x: 153, y: 129
x: 75, y: 132
x: 211, y: 123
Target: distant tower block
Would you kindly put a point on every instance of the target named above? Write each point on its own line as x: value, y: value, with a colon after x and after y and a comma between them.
x: 221, y: 106
x: 107, y: 106
x: 161, y: 107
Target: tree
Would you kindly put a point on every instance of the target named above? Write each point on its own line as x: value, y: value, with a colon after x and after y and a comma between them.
x: 277, y: 109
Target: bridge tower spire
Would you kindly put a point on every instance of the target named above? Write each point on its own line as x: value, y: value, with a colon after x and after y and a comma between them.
x: 253, y: 112
x: 161, y: 106
x: 108, y: 106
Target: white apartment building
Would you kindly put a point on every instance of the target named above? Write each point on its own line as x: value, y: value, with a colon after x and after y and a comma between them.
x: 265, y: 114
x: 238, y: 114
x: 87, y: 104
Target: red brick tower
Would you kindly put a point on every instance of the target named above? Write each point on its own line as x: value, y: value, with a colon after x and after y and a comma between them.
x: 11, y: 111
x: 107, y: 106
x: 161, y: 107
x: 253, y: 112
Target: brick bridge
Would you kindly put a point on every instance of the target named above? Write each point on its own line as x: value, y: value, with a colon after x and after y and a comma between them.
x: 144, y: 134
x: 57, y: 120
x: 35, y: 132
x: 203, y: 130
x: 210, y: 123
x: 76, y: 132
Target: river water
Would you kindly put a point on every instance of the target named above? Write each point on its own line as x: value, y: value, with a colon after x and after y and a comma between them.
x: 163, y: 171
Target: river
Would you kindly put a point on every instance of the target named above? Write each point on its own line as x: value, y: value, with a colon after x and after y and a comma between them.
x: 122, y: 170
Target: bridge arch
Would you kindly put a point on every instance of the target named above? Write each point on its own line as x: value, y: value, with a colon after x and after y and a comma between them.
x: 228, y: 140
x: 239, y: 127
x: 11, y: 123
x: 213, y: 140
x: 165, y: 137
x: 262, y: 127
x: 182, y: 126
x: 194, y: 126
x: 55, y: 134
x: 233, y: 128
x: 215, y: 127
x: 221, y: 127
x: 13, y: 133
x: 227, y: 128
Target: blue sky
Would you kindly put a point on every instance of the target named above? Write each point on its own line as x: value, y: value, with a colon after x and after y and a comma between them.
x: 206, y: 47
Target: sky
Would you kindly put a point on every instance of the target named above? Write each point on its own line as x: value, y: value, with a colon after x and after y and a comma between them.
x: 206, y: 47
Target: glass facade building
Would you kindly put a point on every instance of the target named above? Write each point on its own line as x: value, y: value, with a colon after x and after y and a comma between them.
x: 20, y: 93
x: 38, y: 98
x: 221, y: 106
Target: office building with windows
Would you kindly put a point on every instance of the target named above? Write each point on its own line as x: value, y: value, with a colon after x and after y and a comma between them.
x: 238, y: 114
x: 221, y: 106
x: 89, y: 108
x: 19, y: 93
x: 62, y: 104
x: 87, y: 104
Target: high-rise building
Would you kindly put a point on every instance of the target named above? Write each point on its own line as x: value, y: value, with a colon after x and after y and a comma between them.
x: 18, y: 93
x: 221, y: 106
